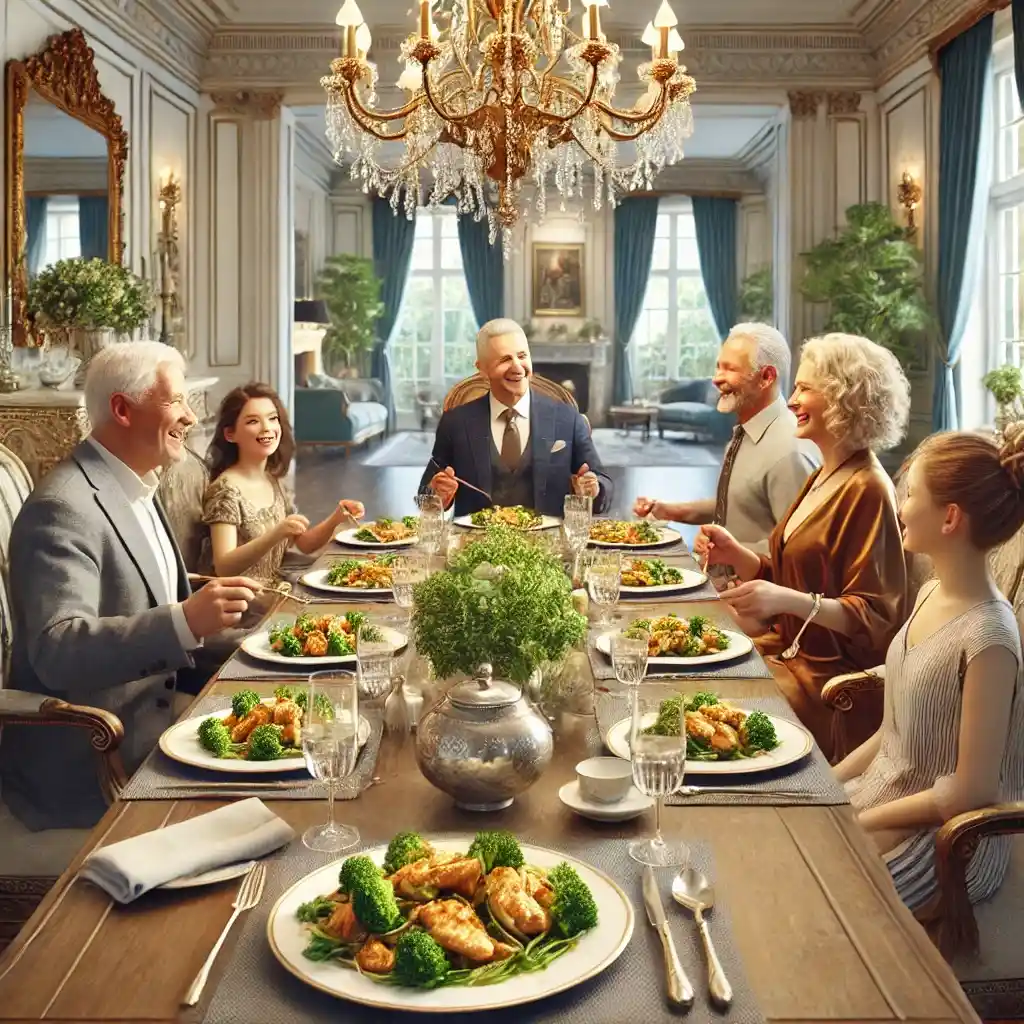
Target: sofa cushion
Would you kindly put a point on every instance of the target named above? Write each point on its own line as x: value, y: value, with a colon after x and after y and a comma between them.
x: 688, y: 412
x: 362, y: 390
x: 323, y: 381
x: 366, y: 415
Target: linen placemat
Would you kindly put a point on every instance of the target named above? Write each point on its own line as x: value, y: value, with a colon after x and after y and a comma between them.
x: 750, y: 666
x: 159, y: 771
x: 255, y: 987
x: 812, y: 775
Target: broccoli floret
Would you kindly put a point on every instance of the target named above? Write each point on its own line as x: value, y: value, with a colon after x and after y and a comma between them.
x: 405, y: 848
x: 375, y: 906
x: 316, y: 910
x: 243, y: 702
x: 214, y: 736
x: 338, y: 643
x: 759, y: 732
x: 668, y: 721
x: 367, y: 536
x: 372, y: 634
x: 265, y: 743
x: 410, y: 522
x: 286, y: 693
x: 324, y: 707
x: 498, y: 849
x: 291, y: 645
x: 356, y: 872
x: 355, y: 620
x: 574, y: 909
x: 419, y: 960
x: 698, y: 623
x: 699, y: 700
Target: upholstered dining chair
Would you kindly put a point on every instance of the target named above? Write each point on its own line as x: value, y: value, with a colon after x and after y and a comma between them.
x: 475, y: 387
x: 182, y: 487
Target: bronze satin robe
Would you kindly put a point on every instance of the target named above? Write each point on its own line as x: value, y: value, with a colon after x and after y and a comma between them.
x: 850, y: 548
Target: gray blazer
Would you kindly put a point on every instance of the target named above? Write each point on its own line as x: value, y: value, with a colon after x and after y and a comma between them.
x: 88, y: 628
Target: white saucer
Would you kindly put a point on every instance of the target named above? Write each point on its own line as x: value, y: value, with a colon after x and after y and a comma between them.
x: 633, y: 804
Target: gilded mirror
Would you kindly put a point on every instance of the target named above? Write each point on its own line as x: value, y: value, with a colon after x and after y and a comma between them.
x: 65, y: 161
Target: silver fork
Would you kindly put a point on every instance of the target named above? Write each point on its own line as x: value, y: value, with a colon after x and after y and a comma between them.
x: 465, y: 483
x: 249, y: 894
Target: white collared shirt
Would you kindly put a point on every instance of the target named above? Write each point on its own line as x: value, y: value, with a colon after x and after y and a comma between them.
x: 522, y: 422
x: 140, y: 492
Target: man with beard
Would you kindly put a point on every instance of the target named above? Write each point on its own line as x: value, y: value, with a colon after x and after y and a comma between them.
x: 518, y: 445
x: 765, y: 466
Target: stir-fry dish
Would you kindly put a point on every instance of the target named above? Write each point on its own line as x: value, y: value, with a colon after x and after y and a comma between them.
x: 256, y: 729
x: 387, y: 531
x: 373, y: 573
x: 673, y: 637
x: 319, y: 636
x: 650, y: 572
x: 516, y: 516
x: 428, y: 918
x: 616, y: 531
x: 715, y: 730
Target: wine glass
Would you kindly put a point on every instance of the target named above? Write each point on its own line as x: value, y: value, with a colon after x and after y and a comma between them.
x: 406, y: 572
x: 374, y: 657
x: 431, y: 522
x: 577, y: 516
x: 330, y: 745
x: 629, y: 657
x: 603, y: 576
x: 659, y: 766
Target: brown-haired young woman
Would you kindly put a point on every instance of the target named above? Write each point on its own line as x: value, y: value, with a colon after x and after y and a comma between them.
x: 950, y: 739
x: 252, y: 520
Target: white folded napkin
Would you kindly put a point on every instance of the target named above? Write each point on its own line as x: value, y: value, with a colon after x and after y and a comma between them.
x: 241, y: 831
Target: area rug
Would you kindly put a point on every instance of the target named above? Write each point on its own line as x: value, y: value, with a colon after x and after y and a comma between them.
x: 617, y: 450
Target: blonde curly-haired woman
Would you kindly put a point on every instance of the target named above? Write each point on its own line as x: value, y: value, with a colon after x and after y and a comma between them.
x: 837, y: 555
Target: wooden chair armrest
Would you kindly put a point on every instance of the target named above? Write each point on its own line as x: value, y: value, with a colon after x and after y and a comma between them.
x: 839, y: 690
x: 105, y: 730
x: 955, y: 844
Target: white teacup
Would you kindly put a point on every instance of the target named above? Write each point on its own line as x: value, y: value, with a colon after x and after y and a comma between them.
x: 604, y: 780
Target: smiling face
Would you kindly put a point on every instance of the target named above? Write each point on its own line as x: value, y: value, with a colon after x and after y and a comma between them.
x: 506, y: 364
x: 809, y: 405
x: 927, y: 526
x: 257, y: 431
x: 743, y: 390
x: 158, y: 423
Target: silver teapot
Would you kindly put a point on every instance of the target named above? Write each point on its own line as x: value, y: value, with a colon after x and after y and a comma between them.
x: 483, y: 743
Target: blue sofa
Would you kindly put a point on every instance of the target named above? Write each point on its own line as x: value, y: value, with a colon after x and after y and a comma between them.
x: 689, y: 407
x: 340, y: 413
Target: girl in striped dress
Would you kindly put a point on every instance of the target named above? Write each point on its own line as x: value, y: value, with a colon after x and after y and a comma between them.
x: 950, y: 739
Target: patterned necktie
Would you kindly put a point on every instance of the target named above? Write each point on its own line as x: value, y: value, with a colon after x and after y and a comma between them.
x: 722, y: 497
x: 511, y: 445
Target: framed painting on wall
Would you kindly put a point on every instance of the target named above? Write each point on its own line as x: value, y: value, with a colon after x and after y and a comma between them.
x: 557, y: 279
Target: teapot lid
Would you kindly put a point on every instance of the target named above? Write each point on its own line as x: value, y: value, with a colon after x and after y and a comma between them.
x: 484, y: 691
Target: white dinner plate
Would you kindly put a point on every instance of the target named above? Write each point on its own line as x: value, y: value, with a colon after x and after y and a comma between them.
x: 596, y: 950
x: 180, y: 743
x: 667, y: 536
x: 257, y: 645
x: 739, y: 645
x: 348, y: 537
x: 690, y: 581
x: 212, y: 877
x: 317, y: 580
x: 546, y: 523
x: 632, y: 805
x: 795, y: 742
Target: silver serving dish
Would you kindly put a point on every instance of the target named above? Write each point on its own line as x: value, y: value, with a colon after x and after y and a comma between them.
x: 483, y: 743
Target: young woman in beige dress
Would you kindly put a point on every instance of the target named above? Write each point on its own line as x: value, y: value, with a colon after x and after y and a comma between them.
x: 251, y: 519
x: 951, y: 735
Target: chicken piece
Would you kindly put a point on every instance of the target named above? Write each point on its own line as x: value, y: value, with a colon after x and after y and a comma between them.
x: 260, y: 715
x: 712, y: 640
x: 513, y: 905
x: 540, y: 890
x: 375, y: 957
x: 288, y: 715
x: 454, y: 926
x: 231, y: 721
x: 726, y: 738
x: 344, y: 925
x: 698, y: 727
x: 413, y: 880
x: 502, y: 951
x: 315, y: 645
x: 461, y: 876
x: 723, y: 713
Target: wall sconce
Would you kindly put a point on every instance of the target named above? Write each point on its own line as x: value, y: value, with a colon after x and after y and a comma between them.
x: 167, y: 253
x: 908, y: 195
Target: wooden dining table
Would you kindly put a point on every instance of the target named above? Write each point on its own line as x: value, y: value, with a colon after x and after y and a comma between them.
x: 817, y: 922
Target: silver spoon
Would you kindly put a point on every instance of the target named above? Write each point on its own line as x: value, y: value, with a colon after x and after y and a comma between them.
x: 692, y: 890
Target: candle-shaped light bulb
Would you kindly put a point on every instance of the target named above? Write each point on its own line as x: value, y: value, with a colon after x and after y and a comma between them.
x: 363, y: 39
x: 675, y: 42
x: 349, y: 15
x: 651, y: 38
x: 664, y: 20
x: 411, y: 78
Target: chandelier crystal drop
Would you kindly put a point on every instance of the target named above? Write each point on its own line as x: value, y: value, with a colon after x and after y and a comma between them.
x: 503, y: 98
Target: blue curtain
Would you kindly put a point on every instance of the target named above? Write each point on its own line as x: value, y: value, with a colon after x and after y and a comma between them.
x: 963, y: 146
x: 93, y: 227
x: 1018, y: 47
x: 636, y: 219
x: 35, y: 232
x: 484, y: 268
x: 393, y: 235
x: 714, y: 218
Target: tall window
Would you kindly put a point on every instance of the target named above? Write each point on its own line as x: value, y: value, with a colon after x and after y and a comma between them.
x: 62, y: 237
x: 675, y: 335
x: 434, y: 344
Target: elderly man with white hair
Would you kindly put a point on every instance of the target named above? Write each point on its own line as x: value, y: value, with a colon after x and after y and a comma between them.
x: 765, y: 466
x: 517, y: 445
x: 102, y: 608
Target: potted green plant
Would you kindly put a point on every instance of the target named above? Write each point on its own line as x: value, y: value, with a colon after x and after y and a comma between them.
x: 757, y: 296
x: 1007, y: 388
x: 590, y: 331
x: 351, y: 289
x: 871, y: 275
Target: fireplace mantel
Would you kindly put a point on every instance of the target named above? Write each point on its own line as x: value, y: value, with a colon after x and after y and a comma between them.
x: 595, y: 355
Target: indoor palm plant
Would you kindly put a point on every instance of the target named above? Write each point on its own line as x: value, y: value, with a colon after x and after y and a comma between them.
x: 872, y: 277
x: 351, y: 289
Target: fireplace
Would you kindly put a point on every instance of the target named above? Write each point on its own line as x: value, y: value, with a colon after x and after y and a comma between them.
x: 577, y: 373
x: 586, y: 364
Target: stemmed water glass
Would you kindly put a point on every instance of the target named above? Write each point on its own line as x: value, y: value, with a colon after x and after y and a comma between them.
x: 374, y: 658
x: 431, y: 522
x: 406, y: 572
x: 330, y: 745
x: 603, y: 577
x: 577, y: 514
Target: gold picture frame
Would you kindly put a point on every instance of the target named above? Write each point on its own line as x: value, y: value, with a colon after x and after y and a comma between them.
x: 558, y: 279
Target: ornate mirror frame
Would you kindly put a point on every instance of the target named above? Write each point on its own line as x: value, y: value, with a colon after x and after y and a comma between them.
x: 64, y: 73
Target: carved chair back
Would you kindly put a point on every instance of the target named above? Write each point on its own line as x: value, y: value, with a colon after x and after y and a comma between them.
x: 474, y: 387
x: 15, y: 486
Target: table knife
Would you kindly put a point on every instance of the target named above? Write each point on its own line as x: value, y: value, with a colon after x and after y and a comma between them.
x: 680, y: 991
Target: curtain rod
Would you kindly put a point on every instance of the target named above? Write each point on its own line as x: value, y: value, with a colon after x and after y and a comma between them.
x: 715, y: 193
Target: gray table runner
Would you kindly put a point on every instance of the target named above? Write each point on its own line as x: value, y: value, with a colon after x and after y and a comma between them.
x: 750, y: 666
x: 256, y: 988
x: 811, y: 775
x: 159, y: 771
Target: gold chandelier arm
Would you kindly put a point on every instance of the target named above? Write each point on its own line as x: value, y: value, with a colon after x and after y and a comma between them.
x: 586, y: 101
x: 384, y: 116
x: 440, y: 111
x: 656, y: 110
x: 365, y: 119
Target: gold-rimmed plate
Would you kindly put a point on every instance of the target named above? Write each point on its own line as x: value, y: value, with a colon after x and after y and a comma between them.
x: 596, y: 951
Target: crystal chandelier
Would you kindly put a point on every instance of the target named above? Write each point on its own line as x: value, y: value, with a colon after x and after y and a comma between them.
x: 501, y: 94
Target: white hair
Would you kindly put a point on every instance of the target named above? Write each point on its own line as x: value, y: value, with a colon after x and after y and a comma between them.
x: 129, y: 368
x: 771, y: 348
x: 495, y: 329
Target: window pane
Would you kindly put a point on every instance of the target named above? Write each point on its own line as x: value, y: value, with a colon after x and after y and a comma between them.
x: 449, y: 224
x: 687, y: 256
x: 423, y: 254
x: 662, y: 254
x: 650, y: 358
x: 698, y: 336
x: 451, y: 254
x: 656, y: 296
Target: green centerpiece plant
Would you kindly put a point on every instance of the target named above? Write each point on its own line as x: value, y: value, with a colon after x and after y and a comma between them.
x: 351, y: 289
x: 1006, y: 386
